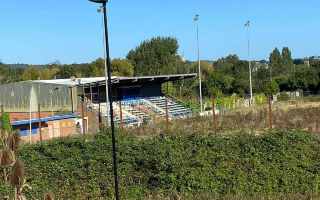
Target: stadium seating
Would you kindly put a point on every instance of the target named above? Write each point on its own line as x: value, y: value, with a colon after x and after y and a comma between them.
x: 138, y: 111
x: 175, y: 110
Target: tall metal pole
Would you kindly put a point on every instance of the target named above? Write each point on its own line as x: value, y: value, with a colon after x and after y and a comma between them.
x: 196, y: 19
x: 105, y: 66
x: 109, y: 87
x: 249, y: 60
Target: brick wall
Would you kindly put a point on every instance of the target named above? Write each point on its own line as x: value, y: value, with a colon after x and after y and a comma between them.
x: 54, y: 129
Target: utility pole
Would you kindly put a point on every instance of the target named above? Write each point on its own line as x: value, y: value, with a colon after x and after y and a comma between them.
x: 196, y: 20
x: 247, y: 25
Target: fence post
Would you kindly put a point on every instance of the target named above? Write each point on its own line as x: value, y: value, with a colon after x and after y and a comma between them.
x: 121, y: 117
x: 167, y: 115
x: 270, y: 112
x: 82, y: 116
x: 214, y: 114
x: 40, y: 125
x: 167, y: 108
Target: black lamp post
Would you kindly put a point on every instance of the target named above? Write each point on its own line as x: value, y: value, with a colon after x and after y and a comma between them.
x: 114, y: 148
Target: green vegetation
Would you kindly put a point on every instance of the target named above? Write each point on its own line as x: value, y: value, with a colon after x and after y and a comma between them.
x: 156, y: 56
x: 5, y: 122
x: 159, y: 55
x: 277, y: 163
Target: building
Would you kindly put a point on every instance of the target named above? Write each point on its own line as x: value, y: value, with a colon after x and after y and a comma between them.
x: 43, y: 105
x: 46, y: 128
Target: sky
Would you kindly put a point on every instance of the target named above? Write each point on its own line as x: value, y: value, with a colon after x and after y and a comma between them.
x: 70, y: 31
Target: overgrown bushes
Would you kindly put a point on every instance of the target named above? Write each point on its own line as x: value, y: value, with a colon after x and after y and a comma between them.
x: 280, y: 162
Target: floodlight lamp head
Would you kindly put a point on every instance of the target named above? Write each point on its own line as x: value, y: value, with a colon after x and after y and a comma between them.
x: 99, y: 1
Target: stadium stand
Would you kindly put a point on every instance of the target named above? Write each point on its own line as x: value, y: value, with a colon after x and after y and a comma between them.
x: 140, y: 111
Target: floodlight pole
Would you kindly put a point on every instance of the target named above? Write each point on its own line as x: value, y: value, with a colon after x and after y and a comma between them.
x: 249, y: 60
x: 196, y: 20
x: 114, y: 147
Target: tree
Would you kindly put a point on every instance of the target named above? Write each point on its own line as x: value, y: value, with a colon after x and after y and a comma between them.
x: 156, y: 56
x: 261, y: 77
x: 97, y: 67
x: 31, y: 73
x: 47, y: 74
x: 234, y: 74
x: 271, y: 88
x: 122, y: 67
x: 305, y: 78
x: 206, y: 69
x: 282, y: 67
x: 287, y: 60
x: 275, y: 60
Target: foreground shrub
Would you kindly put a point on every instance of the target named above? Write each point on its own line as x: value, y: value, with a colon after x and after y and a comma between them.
x: 280, y: 162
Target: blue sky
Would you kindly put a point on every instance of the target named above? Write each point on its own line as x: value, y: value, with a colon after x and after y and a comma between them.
x: 71, y: 30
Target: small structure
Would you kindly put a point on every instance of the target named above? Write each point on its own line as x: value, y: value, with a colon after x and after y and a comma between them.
x: 46, y: 128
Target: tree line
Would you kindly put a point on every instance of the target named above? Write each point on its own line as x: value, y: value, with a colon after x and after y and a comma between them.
x: 227, y: 75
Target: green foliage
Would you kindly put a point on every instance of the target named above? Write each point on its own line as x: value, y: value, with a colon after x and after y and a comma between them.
x: 122, y: 67
x: 168, y: 89
x: 160, y: 56
x: 156, y: 56
x: 231, y: 75
x: 228, y: 102
x: 5, y: 122
x: 215, y: 92
x: 283, y: 97
x: 5, y: 190
x: 31, y: 73
x: 35, y: 73
x: 287, y: 60
x: 305, y: 78
x: 260, y: 99
x: 97, y: 67
x: 271, y: 88
x: 279, y: 162
x: 275, y: 60
x: 8, y: 74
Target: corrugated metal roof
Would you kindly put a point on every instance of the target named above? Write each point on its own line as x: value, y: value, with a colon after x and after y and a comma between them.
x: 45, y: 119
x: 142, y: 79
x: 73, y: 82
x: 116, y: 79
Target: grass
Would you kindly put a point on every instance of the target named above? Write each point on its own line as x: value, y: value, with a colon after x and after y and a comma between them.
x: 275, y: 165
x: 251, y: 121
